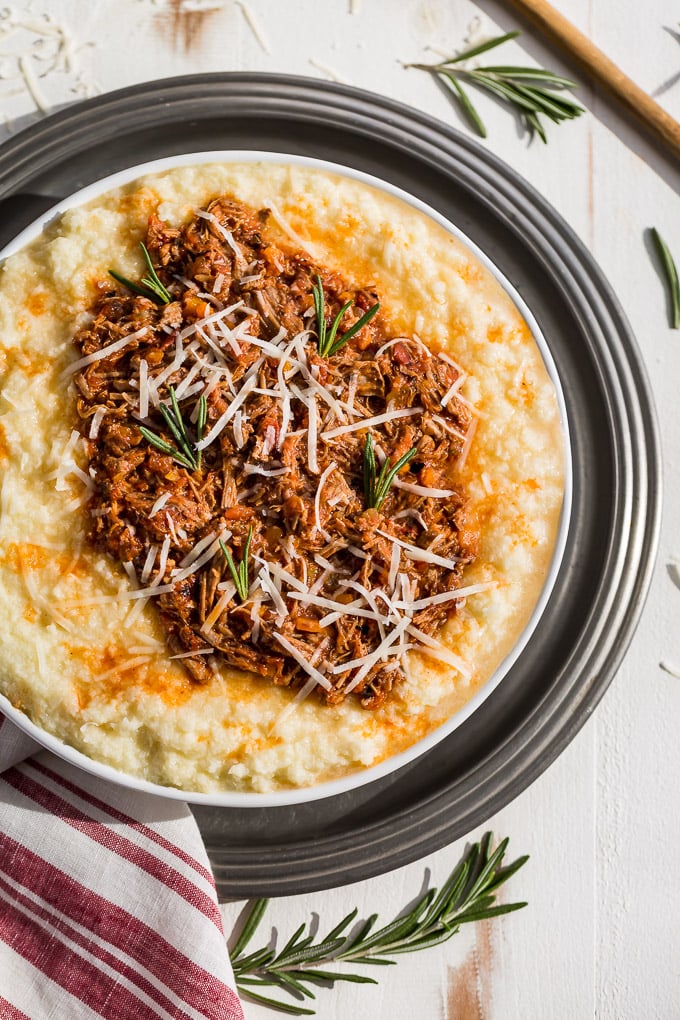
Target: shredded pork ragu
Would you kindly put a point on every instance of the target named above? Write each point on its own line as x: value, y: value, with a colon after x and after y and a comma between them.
x: 338, y: 592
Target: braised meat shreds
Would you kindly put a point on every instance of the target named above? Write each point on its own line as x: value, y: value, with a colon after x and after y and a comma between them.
x: 338, y: 591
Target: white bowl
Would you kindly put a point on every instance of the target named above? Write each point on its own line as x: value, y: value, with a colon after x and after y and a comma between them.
x: 360, y: 778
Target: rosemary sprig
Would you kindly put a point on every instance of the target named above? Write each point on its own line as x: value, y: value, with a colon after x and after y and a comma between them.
x: 469, y: 894
x: 184, y: 453
x: 240, y: 573
x: 532, y: 91
x: 671, y: 274
x: 150, y: 286
x: 328, y: 344
x: 201, y: 419
x: 376, y: 489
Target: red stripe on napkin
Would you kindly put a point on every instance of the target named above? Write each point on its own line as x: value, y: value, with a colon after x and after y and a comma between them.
x: 7, y: 1010
x: 70, y: 935
x: 115, y: 842
x: 36, y: 944
x: 145, y: 830
x: 200, y: 989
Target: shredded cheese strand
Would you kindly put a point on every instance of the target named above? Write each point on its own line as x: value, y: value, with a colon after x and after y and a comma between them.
x: 370, y: 660
x: 422, y: 555
x: 422, y: 490
x: 159, y: 504
x: 445, y: 596
x: 377, y: 419
x: 105, y: 352
x: 317, y: 500
x: 312, y: 671
x: 226, y: 417
x: 348, y: 608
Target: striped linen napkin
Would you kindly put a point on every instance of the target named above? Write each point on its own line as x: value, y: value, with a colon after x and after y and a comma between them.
x: 107, y: 903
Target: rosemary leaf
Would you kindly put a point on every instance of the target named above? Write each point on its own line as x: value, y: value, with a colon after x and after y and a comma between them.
x: 537, y: 73
x: 374, y: 960
x: 283, y: 1007
x: 556, y: 107
x: 533, y: 92
x: 308, y: 953
x: 293, y: 940
x: 326, y: 975
x: 177, y: 433
x: 134, y: 287
x: 183, y: 453
x: 503, y: 874
x: 449, y: 893
x: 376, y: 490
x: 330, y: 343
x: 369, y: 471
x: 243, y: 569
x: 250, y: 927
x: 232, y: 566
x: 353, y: 330
x: 483, y: 915
x: 255, y: 981
x: 239, y: 574
x: 468, y: 895
x: 151, y: 282
x: 339, y: 928
x: 164, y: 447
x: 150, y: 286
x: 671, y: 274
x: 327, y: 343
x: 362, y: 932
x: 291, y: 982
x: 201, y: 419
x: 260, y: 958
x: 178, y: 415
x: 467, y: 104
x: 534, y: 125
x: 484, y: 47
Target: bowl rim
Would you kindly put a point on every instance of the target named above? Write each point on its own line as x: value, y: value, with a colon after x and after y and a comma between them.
x: 357, y: 778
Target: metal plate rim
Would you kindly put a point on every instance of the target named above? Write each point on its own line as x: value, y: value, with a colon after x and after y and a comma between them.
x: 619, y: 359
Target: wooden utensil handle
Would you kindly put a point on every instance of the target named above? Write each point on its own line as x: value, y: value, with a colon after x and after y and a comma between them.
x: 586, y: 54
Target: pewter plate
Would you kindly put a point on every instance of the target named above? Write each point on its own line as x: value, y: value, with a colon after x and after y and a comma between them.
x: 575, y: 651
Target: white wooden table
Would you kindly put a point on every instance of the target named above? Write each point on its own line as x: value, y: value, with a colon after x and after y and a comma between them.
x: 601, y: 936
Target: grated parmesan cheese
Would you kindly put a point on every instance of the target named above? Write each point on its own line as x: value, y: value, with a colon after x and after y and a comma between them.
x: 422, y: 490
x: 197, y: 651
x: 282, y: 573
x: 159, y: 504
x: 270, y: 588
x: 105, y: 352
x: 196, y: 563
x: 227, y: 415
x: 366, y: 662
x: 445, y: 596
x: 467, y: 445
x: 402, y: 340
x: 414, y: 552
x: 377, y: 419
x: 453, y: 391
x: 148, y: 563
x: 287, y: 229
x: 339, y: 607
x: 97, y: 419
x: 395, y: 560
x: 313, y: 672
x: 255, y: 469
x: 219, y: 607
x: 143, y: 389
x: 237, y: 429
x: 317, y: 500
